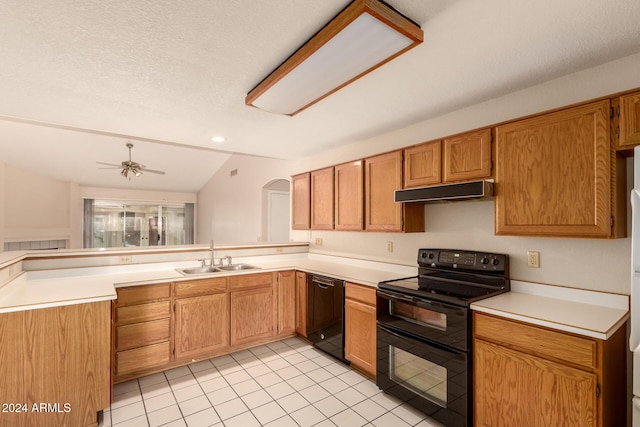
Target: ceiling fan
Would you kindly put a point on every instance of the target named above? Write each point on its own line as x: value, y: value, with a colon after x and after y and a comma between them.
x: 130, y: 167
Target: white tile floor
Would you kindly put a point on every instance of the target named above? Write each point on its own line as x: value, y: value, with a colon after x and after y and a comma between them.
x: 286, y: 383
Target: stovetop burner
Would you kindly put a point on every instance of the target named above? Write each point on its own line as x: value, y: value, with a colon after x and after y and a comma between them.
x: 454, y: 277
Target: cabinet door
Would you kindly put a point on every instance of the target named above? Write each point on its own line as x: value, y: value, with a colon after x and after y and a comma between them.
x: 360, y: 335
x: 422, y: 164
x: 286, y: 302
x: 467, y: 156
x: 201, y: 325
x: 252, y: 315
x: 383, y: 176
x: 553, y: 174
x: 301, y: 303
x: 349, y: 196
x: 322, y: 199
x: 629, y: 120
x: 301, y: 201
x: 516, y: 389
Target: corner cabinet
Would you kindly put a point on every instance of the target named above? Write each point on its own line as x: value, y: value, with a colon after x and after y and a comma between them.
x: 535, y: 376
x: 556, y: 175
x: 360, y: 327
x: 301, y: 201
x: 383, y: 176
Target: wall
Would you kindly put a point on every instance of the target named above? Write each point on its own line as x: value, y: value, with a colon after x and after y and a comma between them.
x: 35, y: 207
x: 582, y: 263
x: 234, y: 203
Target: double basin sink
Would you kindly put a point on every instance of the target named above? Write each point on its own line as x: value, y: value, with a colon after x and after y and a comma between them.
x: 215, y: 269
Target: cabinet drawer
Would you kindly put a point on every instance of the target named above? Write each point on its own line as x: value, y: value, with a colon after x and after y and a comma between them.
x: 139, y: 359
x: 200, y: 287
x: 141, y: 294
x: 537, y: 341
x: 364, y: 294
x: 248, y: 281
x: 142, y: 312
x: 141, y: 334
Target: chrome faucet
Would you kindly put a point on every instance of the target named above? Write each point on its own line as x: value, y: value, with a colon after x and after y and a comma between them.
x: 212, y: 262
x: 227, y: 259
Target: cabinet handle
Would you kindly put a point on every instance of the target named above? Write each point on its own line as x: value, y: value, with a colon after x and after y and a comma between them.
x: 597, y: 390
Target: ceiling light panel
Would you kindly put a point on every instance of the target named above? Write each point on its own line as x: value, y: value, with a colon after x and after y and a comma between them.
x: 362, y: 37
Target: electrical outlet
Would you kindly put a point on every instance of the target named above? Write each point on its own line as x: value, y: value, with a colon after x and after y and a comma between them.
x: 390, y: 247
x: 279, y: 250
x: 533, y: 259
x: 125, y: 259
x: 318, y: 241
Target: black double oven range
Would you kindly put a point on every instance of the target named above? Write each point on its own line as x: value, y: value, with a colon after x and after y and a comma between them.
x: 424, y: 330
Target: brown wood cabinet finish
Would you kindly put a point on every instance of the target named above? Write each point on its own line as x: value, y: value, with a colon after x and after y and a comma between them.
x: 467, y: 156
x: 143, y: 312
x: 301, y: 303
x: 423, y: 164
x: 530, y: 375
x: 142, y: 334
x: 59, y: 356
x: 301, y: 201
x: 134, y: 295
x: 252, y: 315
x: 629, y: 120
x: 360, y: 328
x: 349, y: 196
x: 286, y: 302
x: 201, y: 325
x: 553, y: 174
x: 322, y: 199
x: 142, y: 359
x: 192, y: 288
x: 383, y: 175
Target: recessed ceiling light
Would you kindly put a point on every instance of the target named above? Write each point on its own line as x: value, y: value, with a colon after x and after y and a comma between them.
x: 218, y: 139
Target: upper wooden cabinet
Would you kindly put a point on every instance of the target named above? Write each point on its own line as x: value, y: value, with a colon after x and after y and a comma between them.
x: 423, y: 164
x: 322, y: 199
x: 462, y: 157
x: 629, y: 120
x: 301, y: 201
x: 349, y: 196
x: 467, y: 156
x: 554, y: 174
x: 383, y: 176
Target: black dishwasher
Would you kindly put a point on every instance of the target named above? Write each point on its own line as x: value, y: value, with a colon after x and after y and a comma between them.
x: 325, y: 314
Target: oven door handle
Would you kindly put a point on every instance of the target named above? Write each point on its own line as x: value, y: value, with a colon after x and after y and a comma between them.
x: 396, y: 297
x: 409, y: 336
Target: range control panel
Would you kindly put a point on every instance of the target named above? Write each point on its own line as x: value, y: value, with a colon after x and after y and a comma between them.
x: 464, y: 260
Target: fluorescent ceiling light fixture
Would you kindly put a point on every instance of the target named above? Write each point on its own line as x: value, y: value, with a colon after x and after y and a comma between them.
x: 217, y: 138
x: 361, y: 38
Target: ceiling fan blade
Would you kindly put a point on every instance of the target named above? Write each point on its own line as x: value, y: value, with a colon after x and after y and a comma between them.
x: 152, y: 171
x: 113, y: 167
x: 109, y: 164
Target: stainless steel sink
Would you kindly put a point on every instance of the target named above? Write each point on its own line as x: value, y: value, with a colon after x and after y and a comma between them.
x: 237, y: 267
x: 198, y: 270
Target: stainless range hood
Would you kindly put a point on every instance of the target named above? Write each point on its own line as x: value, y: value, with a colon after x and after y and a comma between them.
x: 445, y: 192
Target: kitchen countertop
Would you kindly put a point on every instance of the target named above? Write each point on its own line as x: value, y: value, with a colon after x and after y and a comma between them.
x: 588, y: 313
x: 50, y: 288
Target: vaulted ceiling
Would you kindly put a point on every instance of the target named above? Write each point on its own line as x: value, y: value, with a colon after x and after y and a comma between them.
x: 80, y: 78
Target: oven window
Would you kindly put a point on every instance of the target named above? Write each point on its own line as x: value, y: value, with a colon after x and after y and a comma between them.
x: 420, y: 376
x: 418, y: 315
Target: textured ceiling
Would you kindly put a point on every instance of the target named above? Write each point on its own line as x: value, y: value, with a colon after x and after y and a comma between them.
x: 170, y: 74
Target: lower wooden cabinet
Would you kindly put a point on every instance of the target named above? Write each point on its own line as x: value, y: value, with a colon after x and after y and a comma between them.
x: 201, y: 325
x: 286, y: 281
x: 57, y: 356
x: 534, y: 376
x: 301, y: 303
x: 360, y: 327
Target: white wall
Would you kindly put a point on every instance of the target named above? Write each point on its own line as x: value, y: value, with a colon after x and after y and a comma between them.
x: 582, y: 263
x: 234, y: 203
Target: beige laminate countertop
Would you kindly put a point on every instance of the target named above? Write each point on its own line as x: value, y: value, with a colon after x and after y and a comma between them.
x: 50, y: 288
x: 589, y: 313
